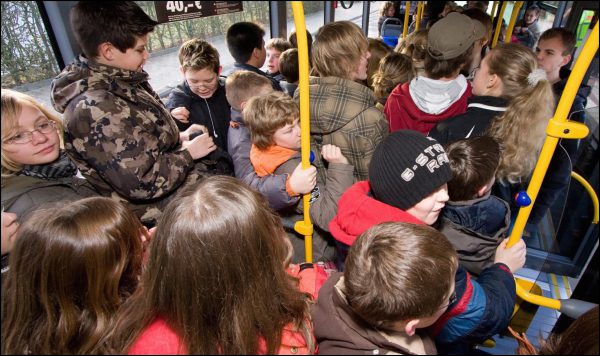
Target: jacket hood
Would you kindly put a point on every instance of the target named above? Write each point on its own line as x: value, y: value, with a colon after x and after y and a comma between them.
x: 358, y: 211
x: 326, y: 94
x: 486, y: 217
x: 85, y: 75
x: 435, y: 96
x: 401, y: 103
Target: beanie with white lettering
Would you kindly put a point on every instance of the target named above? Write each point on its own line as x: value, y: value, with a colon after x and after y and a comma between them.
x: 407, y: 167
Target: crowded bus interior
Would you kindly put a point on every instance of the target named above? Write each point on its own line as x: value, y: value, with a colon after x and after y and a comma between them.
x: 300, y: 177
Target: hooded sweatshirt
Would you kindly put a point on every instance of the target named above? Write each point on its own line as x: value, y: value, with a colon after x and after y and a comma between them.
x: 422, y: 103
x: 339, y: 331
x: 343, y: 113
x: 483, y: 307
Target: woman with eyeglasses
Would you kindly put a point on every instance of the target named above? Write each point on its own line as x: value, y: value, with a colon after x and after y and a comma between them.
x: 35, y: 169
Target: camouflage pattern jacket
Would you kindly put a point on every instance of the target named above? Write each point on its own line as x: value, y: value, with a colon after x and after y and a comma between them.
x: 121, y: 136
x: 343, y: 113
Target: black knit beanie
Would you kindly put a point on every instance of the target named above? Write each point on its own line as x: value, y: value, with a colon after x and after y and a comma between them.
x: 406, y: 168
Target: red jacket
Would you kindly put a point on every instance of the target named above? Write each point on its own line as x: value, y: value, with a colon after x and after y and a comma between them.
x: 402, y: 113
x: 160, y: 339
x: 357, y: 212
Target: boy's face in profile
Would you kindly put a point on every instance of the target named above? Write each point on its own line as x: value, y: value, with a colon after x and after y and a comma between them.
x: 134, y: 58
x: 273, y: 60
x: 428, y: 210
x: 549, y: 53
x: 202, y: 82
x: 288, y: 136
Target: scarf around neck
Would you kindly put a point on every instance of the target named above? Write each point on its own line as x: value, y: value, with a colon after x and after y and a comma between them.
x: 61, y: 168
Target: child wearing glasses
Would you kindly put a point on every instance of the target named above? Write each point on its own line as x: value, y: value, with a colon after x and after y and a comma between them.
x: 200, y: 98
x: 417, y: 265
x: 35, y: 168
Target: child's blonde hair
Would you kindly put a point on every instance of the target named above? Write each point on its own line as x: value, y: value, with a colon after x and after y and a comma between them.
x: 242, y: 85
x: 197, y: 54
x: 337, y: 49
x: 415, y: 46
x: 266, y: 114
x: 394, y: 69
x: 12, y: 105
x: 521, y: 129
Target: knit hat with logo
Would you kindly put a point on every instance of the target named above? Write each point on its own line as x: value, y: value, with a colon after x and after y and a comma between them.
x: 406, y: 167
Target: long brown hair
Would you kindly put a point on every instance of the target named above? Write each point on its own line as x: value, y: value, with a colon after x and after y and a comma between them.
x: 215, y: 274
x: 70, y: 270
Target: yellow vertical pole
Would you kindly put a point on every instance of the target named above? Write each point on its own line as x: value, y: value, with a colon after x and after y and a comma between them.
x: 558, y: 127
x: 406, y: 15
x: 418, y: 15
x: 304, y: 227
x: 513, y: 21
x: 494, y: 6
x: 499, y: 25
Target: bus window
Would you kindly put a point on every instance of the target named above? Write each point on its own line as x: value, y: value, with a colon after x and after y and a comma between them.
x: 164, y: 41
x: 28, y: 60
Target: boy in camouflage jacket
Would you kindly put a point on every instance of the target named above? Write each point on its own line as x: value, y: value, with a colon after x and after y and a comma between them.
x: 117, y: 131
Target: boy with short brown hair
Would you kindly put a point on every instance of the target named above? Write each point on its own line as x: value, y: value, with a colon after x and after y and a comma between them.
x: 275, y: 47
x: 399, y: 278
x: 474, y: 221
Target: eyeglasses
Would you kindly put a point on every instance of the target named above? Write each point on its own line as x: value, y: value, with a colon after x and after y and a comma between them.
x: 23, y: 137
x: 451, y: 300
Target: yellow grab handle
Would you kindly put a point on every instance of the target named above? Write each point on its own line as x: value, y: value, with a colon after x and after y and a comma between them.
x: 560, y: 116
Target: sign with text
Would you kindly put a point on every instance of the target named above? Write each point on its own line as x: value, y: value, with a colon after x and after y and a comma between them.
x: 170, y: 11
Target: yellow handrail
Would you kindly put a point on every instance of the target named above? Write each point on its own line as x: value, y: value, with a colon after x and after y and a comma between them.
x: 591, y: 192
x: 304, y: 227
x: 513, y: 20
x: 499, y: 24
x: 406, y: 15
x: 558, y: 127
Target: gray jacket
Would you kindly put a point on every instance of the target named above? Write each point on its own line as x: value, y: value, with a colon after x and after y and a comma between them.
x: 22, y: 194
x: 238, y: 146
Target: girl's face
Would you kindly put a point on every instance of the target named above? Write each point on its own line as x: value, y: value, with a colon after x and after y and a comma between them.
x: 481, y: 77
x: 41, y: 143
